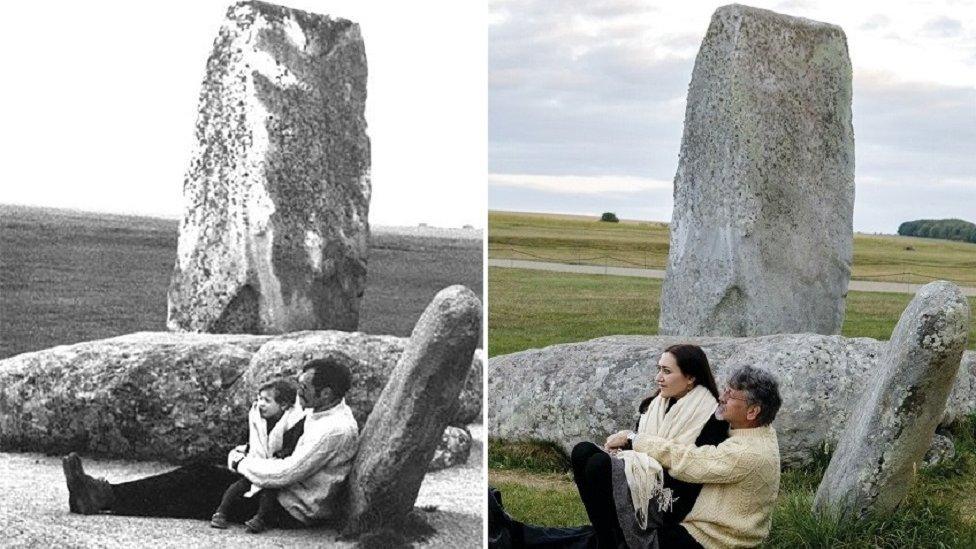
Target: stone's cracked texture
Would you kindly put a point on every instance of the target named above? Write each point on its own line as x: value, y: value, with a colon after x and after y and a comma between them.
x: 178, y: 396
x: 274, y: 231
x: 892, y: 425
x: 761, y: 235
x: 584, y: 391
x: 401, y: 435
x: 942, y: 449
x: 453, y: 449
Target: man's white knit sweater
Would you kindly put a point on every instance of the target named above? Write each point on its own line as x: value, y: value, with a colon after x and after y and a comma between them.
x: 740, y: 479
x: 309, y: 479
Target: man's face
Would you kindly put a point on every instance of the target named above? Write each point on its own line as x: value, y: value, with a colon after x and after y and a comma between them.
x: 735, y: 408
x: 306, y: 391
x: 268, y: 407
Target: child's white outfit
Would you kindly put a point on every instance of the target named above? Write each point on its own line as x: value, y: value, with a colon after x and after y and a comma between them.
x: 261, y: 443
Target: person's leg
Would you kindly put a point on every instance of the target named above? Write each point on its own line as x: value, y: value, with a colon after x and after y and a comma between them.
x: 580, y: 455
x: 593, y: 476
x: 234, y: 493
x: 273, y: 514
x: 674, y: 536
x: 193, y: 491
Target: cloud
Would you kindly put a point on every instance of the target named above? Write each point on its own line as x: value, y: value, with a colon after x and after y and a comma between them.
x: 875, y: 22
x: 596, y: 91
x: 942, y: 27
x: 577, y: 184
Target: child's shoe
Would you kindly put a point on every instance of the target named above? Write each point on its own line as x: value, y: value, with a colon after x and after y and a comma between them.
x: 255, y: 525
x: 218, y: 520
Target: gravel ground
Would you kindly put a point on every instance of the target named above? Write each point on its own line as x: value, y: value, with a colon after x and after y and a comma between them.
x: 34, y: 510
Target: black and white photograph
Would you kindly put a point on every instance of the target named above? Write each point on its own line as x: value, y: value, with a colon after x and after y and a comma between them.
x: 241, y: 274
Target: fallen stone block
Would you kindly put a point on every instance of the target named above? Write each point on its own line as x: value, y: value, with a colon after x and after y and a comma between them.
x: 573, y: 392
x: 453, y: 449
x: 175, y: 397
x: 890, y: 429
x: 761, y: 235
x: 400, y: 437
x: 274, y: 234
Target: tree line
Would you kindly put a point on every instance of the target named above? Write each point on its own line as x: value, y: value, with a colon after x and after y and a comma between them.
x: 947, y: 229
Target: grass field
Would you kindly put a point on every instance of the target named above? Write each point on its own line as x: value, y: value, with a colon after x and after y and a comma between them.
x: 68, y: 276
x: 939, y: 511
x: 532, y: 309
x: 586, y: 240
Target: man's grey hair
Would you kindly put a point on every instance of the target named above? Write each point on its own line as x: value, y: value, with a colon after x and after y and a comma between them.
x: 761, y: 388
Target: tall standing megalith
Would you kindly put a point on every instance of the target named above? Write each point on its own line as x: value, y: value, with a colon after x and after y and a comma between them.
x: 762, y: 229
x: 274, y: 232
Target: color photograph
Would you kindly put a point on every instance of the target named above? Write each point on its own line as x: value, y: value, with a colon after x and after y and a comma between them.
x: 731, y: 274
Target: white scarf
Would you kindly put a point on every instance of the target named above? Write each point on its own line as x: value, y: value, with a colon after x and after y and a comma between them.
x: 263, y: 444
x: 682, y: 424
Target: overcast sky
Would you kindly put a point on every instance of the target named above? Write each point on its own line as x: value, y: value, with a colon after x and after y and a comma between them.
x: 587, y: 99
x: 99, y: 103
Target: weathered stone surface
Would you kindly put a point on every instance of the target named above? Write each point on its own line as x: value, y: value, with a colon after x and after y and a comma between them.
x: 892, y: 424
x: 585, y: 391
x: 409, y: 417
x: 453, y: 449
x: 275, y: 202
x: 942, y: 448
x: 761, y: 235
x: 176, y: 396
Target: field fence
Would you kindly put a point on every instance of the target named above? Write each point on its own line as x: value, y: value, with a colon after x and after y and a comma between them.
x: 578, y: 255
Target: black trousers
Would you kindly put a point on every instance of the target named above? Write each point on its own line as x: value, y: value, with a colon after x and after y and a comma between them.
x: 193, y: 492
x: 593, y: 474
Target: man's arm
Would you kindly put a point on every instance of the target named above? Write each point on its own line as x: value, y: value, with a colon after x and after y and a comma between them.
x: 728, y: 462
x: 275, y: 473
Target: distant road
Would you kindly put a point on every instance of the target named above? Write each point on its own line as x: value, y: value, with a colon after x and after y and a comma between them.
x: 856, y: 285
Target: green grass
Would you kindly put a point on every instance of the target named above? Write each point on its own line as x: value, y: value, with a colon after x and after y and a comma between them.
x: 586, y: 240
x: 533, y: 309
x: 937, y: 513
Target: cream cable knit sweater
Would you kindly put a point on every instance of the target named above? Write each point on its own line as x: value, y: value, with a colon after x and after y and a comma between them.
x: 310, y: 478
x: 740, y: 480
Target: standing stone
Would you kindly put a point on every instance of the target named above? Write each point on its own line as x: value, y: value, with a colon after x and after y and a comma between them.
x: 274, y: 231
x: 891, y: 429
x: 761, y: 235
x: 408, y: 420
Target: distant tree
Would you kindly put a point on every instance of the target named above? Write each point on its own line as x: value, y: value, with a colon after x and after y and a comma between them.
x: 609, y: 217
x: 947, y: 229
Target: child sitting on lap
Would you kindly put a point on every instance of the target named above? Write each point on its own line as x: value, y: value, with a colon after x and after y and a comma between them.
x: 275, y: 412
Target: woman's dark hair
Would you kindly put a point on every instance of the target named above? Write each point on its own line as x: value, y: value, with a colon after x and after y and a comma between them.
x: 692, y: 362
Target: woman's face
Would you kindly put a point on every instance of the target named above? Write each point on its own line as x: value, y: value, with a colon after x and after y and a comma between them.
x: 670, y: 380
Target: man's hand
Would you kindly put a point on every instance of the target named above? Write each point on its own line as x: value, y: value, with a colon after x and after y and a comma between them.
x: 235, y: 457
x: 617, y: 441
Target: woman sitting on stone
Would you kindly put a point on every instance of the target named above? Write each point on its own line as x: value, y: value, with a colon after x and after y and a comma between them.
x: 621, y: 488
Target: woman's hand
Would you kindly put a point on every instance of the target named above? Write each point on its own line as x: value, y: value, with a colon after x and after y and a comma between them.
x: 617, y: 440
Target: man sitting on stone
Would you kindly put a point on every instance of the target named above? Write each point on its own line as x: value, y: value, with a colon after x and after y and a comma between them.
x: 739, y: 477
x: 308, y: 481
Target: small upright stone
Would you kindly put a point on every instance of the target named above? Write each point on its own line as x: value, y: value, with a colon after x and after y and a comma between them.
x: 408, y: 420
x: 891, y: 428
x: 762, y: 230
x: 274, y: 232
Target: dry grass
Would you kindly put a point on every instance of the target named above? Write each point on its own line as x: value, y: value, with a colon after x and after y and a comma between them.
x: 67, y: 276
x: 586, y: 240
